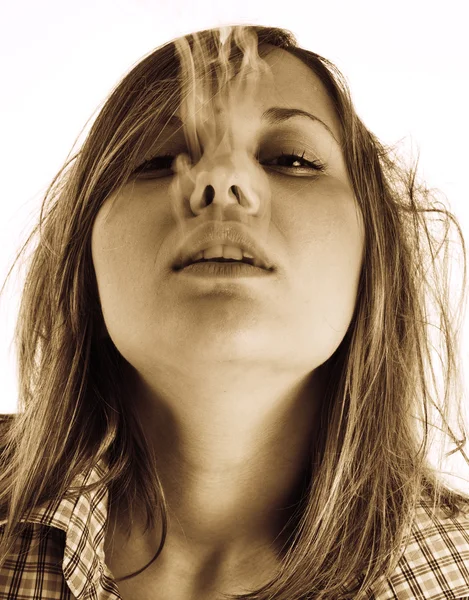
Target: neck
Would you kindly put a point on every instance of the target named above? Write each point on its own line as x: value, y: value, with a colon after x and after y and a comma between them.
x: 231, y: 470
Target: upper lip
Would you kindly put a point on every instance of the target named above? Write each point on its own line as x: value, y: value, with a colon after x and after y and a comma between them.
x: 217, y: 234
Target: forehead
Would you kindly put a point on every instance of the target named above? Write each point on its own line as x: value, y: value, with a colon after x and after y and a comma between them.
x: 292, y: 85
x: 295, y: 85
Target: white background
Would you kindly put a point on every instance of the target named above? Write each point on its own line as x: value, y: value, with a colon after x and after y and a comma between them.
x: 406, y: 62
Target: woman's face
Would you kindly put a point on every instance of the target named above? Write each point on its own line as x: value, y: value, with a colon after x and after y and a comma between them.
x: 293, y: 320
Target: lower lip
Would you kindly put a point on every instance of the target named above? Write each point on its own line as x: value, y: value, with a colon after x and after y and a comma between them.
x: 216, y: 269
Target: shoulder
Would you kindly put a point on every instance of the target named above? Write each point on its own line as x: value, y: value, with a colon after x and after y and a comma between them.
x: 434, y: 564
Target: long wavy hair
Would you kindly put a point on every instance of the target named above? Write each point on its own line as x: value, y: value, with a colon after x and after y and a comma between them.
x: 370, y: 466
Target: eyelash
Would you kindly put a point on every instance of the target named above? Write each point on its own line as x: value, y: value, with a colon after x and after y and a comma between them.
x: 314, y: 165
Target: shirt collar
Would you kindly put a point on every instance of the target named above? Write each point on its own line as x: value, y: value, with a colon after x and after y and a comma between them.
x: 83, y: 519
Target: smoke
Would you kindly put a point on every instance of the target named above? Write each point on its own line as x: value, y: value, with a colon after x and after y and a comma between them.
x: 221, y: 177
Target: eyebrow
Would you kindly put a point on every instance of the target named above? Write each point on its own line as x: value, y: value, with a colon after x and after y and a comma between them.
x: 274, y: 115
x: 278, y: 114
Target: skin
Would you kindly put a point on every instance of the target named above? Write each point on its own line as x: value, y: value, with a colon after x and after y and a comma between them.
x: 226, y: 382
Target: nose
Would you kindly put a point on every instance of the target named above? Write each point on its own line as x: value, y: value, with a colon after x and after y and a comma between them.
x: 223, y: 185
x: 209, y: 194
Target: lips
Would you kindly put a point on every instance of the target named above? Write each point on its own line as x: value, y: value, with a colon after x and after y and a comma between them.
x: 246, y: 261
x: 216, y: 234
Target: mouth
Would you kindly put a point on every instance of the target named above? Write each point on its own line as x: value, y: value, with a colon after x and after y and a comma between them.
x: 227, y: 243
x: 245, y: 262
x: 224, y: 268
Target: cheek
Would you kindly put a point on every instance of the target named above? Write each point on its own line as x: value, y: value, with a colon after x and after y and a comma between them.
x: 130, y: 227
x: 125, y: 241
x: 324, y: 233
x: 318, y: 216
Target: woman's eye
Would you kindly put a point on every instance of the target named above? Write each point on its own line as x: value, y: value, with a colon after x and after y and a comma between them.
x: 157, y: 163
x: 303, y: 164
x: 164, y: 162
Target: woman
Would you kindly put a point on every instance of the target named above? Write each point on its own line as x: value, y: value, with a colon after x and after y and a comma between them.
x: 188, y: 429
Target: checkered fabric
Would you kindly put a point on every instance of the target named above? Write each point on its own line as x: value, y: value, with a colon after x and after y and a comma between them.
x: 60, y: 556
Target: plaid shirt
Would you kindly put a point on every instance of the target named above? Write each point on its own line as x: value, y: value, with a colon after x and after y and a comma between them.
x: 61, y: 555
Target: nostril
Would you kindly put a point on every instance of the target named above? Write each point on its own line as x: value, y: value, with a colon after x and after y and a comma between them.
x: 234, y: 189
x: 209, y: 194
